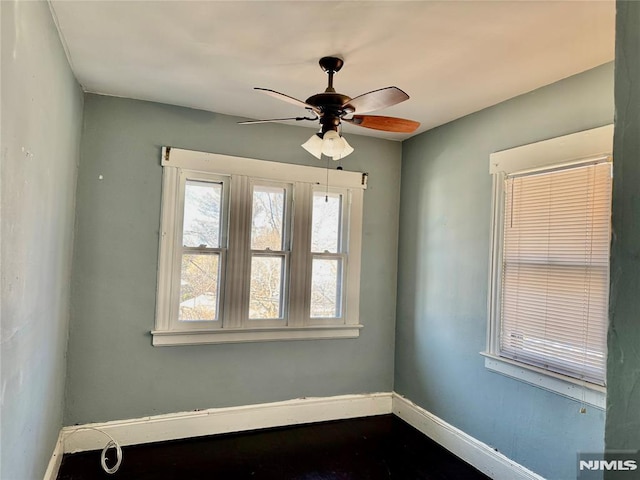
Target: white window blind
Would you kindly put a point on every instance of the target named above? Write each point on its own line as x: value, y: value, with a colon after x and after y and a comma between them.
x: 555, y: 275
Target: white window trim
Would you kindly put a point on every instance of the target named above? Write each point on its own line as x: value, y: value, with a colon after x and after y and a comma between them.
x: 303, y: 179
x: 576, y: 148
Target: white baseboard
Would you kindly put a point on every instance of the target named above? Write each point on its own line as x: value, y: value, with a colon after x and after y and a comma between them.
x: 473, y: 451
x: 56, y: 459
x: 214, y: 421
x: 225, y: 420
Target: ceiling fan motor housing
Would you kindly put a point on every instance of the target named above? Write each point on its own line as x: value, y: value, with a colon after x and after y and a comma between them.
x: 332, y: 105
x: 329, y: 121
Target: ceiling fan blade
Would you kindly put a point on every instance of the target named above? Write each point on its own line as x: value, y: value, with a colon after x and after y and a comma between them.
x: 268, y: 120
x: 287, y: 98
x: 377, y: 99
x: 387, y: 124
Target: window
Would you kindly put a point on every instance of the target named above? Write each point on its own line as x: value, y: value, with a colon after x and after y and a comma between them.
x: 269, y: 250
x: 200, y: 253
x: 328, y: 257
x: 256, y: 251
x: 550, y: 264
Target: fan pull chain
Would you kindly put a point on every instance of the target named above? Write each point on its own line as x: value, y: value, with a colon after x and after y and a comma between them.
x: 326, y: 195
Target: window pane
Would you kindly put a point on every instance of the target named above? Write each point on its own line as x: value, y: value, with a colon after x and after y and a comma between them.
x: 199, y: 287
x: 266, y: 287
x: 327, y: 212
x: 326, y: 285
x: 202, y: 205
x: 267, y: 218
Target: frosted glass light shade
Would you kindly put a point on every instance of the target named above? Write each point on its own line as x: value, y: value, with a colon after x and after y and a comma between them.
x: 346, y: 150
x: 331, y: 144
x: 314, y: 145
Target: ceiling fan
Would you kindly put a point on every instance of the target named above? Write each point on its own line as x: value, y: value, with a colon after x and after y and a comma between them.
x: 332, y: 108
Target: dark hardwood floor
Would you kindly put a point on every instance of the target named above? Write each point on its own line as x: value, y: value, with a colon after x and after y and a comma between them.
x: 370, y: 448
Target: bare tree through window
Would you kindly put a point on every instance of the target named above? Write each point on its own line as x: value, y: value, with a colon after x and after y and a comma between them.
x: 326, y: 276
x: 200, y: 269
x: 268, y: 260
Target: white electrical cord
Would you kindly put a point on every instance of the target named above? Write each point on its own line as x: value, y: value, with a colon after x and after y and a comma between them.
x: 103, y: 455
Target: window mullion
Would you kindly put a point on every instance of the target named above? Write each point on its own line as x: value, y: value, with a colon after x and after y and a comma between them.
x: 300, y: 273
x: 238, y: 267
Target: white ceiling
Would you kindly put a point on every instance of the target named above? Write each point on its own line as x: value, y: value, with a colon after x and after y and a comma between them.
x: 452, y: 57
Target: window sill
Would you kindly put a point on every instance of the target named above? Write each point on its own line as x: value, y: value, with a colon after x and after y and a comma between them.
x: 240, y: 335
x: 574, y: 389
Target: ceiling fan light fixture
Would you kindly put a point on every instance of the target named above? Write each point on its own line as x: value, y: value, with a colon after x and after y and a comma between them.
x: 331, y: 144
x: 346, y: 149
x: 314, y: 145
x: 335, y: 146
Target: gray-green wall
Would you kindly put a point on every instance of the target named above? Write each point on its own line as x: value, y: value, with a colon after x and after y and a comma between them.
x: 113, y: 371
x: 623, y: 366
x: 41, y: 123
x: 443, y: 278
